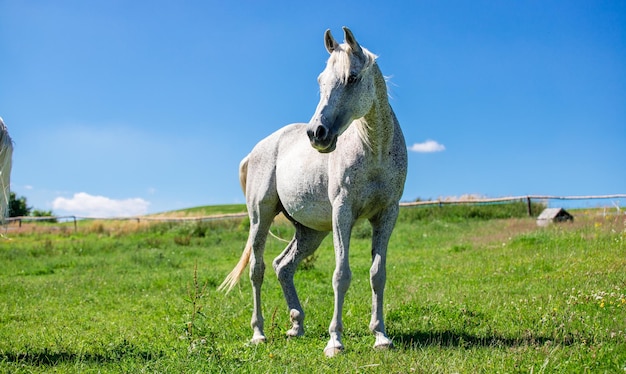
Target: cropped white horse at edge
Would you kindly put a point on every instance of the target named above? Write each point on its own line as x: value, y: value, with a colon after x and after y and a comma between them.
x: 348, y: 163
x: 6, y: 153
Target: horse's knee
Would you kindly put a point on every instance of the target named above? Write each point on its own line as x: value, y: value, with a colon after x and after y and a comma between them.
x: 284, y: 267
x: 341, y: 280
x: 377, y: 278
x: 378, y: 274
x: 283, y: 272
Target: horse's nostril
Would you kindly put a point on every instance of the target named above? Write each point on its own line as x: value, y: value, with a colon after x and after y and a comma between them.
x: 320, y: 132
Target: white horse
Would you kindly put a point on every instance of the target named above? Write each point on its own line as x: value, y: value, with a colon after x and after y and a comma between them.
x: 6, y: 153
x: 349, y: 162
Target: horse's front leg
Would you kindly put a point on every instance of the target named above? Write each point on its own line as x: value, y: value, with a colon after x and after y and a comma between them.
x: 303, y: 244
x: 382, y: 226
x: 342, y: 228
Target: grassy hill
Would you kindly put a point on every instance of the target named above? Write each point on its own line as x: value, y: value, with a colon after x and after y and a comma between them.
x: 207, y: 210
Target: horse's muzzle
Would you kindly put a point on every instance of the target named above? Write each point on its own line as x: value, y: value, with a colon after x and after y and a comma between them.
x: 321, y: 139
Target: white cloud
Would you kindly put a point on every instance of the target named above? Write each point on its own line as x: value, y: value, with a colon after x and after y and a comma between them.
x: 429, y: 146
x: 86, y: 205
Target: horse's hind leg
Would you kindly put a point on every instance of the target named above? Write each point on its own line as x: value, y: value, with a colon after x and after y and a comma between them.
x: 304, y: 243
x: 382, y: 227
x: 260, y: 221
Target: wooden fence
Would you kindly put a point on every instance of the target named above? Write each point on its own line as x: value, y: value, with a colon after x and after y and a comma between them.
x: 527, y: 198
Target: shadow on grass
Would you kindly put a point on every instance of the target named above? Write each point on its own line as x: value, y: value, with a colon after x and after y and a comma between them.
x: 455, y: 339
x: 51, y: 358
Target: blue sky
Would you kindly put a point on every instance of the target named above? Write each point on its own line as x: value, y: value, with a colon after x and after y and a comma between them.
x: 132, y: 107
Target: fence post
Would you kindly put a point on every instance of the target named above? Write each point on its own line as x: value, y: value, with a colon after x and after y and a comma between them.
x: 529, y: 206
x: 75, y: 225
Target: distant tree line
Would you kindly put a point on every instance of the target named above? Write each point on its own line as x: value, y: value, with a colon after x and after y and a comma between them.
x: 18, y: 207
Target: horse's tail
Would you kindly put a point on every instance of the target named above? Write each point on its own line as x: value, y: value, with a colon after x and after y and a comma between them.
x: 232, y: 278
x: 243, y: 173
x: 6, y: 153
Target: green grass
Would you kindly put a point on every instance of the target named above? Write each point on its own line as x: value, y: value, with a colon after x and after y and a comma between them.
x: 463, y: 295
x: 213, y: 209
x: 460, y: 212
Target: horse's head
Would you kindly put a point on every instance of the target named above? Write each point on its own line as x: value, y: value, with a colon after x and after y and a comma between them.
x: 346, y: 91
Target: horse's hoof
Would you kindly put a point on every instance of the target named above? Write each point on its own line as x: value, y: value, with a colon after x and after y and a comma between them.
x: 257, y: 340
x: 331, y: 352
x: 383, y: 342
x: 383, y: 346
x: 294, y: 333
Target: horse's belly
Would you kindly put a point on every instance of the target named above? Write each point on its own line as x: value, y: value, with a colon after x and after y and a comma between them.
x: 307, y: 203
x: 302, y: 186
x: 313, y: 215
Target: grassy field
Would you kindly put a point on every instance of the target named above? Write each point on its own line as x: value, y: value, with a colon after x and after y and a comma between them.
x: 469, y: 290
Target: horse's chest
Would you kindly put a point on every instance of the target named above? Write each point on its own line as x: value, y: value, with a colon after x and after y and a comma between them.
x: 376, y: 191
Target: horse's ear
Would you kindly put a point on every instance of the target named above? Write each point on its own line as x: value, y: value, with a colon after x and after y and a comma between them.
x: 330, y: 42
x: 349, y: 37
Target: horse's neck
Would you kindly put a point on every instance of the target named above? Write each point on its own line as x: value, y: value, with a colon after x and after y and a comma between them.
x: 377, y: 127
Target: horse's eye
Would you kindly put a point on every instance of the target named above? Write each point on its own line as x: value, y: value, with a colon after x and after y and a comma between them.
x: 353, y: 78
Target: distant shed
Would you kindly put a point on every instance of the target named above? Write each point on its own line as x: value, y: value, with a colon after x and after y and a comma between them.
x: 550, y: 215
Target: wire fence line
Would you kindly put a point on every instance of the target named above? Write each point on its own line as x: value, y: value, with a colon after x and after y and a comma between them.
x: 440, y: 202
x: 527, y: 198
x: 513, y: 198
x: 138, y: 219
